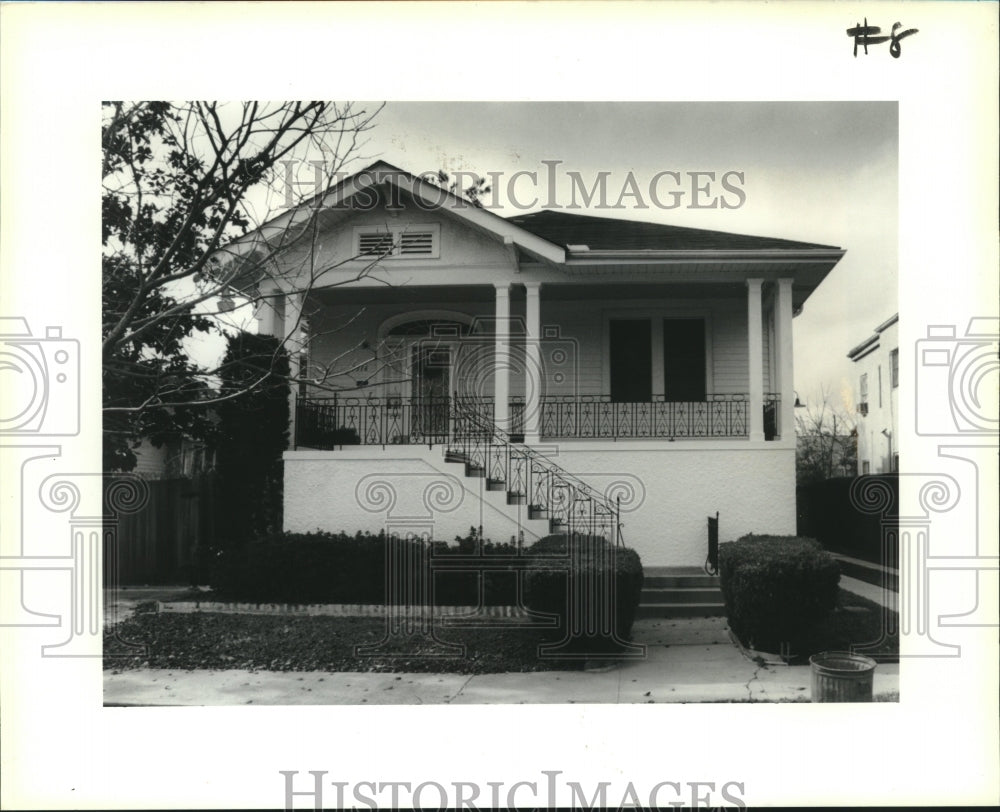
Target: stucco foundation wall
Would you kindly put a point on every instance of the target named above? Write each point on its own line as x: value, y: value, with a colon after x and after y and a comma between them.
x: 667, y: 492
x: 408, y: 489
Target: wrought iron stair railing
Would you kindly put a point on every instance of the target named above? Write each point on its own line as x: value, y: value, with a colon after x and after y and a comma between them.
x: 528, y: 477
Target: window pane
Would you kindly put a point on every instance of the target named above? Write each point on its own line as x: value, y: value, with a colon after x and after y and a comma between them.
x: 631, y: 358
x: 684, y: 359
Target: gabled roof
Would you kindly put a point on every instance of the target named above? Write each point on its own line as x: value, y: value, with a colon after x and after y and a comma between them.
x: 574, y: 244
x: 612, y: 234
x: 338, y: 195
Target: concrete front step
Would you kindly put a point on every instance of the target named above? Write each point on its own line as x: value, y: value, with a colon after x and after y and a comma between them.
x: 679, y: 581
x: 671, y: 592
x: 668, y: 610
x: 681, y: 595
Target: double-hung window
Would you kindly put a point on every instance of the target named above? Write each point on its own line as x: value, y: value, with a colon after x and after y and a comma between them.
x: 631, y: 358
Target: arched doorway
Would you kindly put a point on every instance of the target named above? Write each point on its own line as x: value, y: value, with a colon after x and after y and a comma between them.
x: 422, y: 348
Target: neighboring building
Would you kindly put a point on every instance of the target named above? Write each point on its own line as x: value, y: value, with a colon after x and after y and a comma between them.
x: 175, y: 458
x: 544, y: 372
x: 877, y: 398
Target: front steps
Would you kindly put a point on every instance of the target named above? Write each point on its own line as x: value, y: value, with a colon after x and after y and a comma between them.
x: 671, y: 592
x: 525, y: 519
x: 668, y: 592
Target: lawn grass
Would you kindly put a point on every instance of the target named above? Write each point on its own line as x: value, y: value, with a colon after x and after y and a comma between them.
x: 206, y: 640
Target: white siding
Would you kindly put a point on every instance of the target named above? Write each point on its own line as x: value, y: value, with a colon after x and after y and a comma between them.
x: 573, y: 345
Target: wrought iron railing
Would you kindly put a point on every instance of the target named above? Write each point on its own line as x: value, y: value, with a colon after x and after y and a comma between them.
x: 529, y: 478
x: 598, y: 417
x: 337, y: 421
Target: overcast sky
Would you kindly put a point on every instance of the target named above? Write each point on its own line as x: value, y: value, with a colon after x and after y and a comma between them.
x: 822, y: 172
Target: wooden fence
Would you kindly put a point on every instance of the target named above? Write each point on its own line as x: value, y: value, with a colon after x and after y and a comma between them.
x: 161, y: 543
x: 827, y: 513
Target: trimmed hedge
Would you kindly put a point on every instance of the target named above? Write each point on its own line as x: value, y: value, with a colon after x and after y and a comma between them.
x: 554, y: 570
x: 776, y: 588
x: 338, y: 568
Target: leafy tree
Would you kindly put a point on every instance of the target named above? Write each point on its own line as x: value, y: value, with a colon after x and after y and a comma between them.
x: 182, y: 183
x: 474, y: 192
x: 181, y: 180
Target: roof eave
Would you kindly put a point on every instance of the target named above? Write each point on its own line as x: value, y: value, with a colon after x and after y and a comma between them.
x: 862, y: 349
x: 887, y: 323
x: 687, y: 255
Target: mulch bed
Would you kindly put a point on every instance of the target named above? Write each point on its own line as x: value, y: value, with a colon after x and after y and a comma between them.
x: 223, y: 641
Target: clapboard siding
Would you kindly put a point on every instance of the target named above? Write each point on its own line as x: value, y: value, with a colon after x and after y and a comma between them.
x: 573, y: 351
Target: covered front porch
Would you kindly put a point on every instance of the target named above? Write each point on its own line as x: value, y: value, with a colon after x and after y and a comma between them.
x: 544, y: 363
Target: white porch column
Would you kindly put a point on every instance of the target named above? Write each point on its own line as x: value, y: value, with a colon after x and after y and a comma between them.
x: 755, y: 346
x: 265, y: 313
x: 294, y: 345
x: 786, y: 370
x: 501, y: 357
x: 533, y: 363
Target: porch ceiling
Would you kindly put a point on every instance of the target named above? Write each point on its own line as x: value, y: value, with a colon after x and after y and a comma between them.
x: 418, y: 294
x: 567, y: 291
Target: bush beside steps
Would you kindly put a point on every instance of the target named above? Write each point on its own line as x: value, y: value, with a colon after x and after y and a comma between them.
x: 776, y: 589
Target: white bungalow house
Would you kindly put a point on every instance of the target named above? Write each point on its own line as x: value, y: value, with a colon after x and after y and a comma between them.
x: 545, y: 372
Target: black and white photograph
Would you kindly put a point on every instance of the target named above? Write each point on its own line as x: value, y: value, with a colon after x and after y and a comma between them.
x: 531, y: 424
x: 653, y: 408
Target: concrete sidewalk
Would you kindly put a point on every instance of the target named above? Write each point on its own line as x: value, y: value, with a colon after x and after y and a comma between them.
x: 876, y: 594
x: 687, y: 660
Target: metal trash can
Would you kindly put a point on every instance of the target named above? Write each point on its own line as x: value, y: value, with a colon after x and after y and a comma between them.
x: 839, y: 676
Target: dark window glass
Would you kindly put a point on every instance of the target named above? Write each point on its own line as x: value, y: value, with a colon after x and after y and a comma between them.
x: 684, y: 359
x: 631, y: 360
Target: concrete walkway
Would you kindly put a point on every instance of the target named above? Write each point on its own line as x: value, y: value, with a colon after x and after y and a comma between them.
x: 687, y: 660
x: 877, y: 594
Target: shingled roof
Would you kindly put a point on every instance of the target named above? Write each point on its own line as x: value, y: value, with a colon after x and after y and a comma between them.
x: 611, y: 234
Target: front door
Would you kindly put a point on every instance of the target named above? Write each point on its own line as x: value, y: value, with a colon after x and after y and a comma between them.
x: 431, y: 374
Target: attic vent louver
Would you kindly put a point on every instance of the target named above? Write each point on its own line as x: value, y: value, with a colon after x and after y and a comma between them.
x: 417, y: 242
x: 375, y: 244
x: 406, y: 241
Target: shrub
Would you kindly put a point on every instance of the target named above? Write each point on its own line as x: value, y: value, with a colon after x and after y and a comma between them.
x: 776, y: 588
x: 337, y: 568
x: 561, y: 564
x: 252, y: 433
